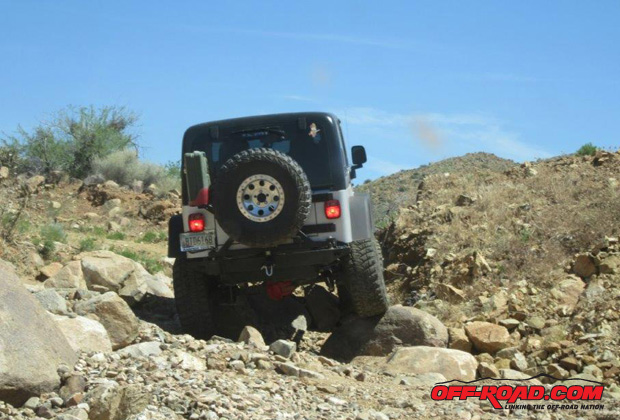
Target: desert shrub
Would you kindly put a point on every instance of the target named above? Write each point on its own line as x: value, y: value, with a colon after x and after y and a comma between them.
x: 116, y: 236
x: 124, y: 167
x: 587, y: 149
x: 87, y: 244
x: 71, y: 140
x: 151, y: 264
x: 153, y: 237
x: 53, y: 232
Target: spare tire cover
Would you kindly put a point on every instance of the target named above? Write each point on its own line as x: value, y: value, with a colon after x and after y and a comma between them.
x: 261, y: 197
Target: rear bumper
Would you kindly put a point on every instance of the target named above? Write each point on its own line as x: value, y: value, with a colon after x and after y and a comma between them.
x: 300, y: 263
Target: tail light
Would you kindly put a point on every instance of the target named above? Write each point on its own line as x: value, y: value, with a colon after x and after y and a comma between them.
x: 332, y: 209
x: 196, y: 222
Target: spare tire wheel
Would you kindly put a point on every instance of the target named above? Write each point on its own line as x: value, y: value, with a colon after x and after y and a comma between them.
x: 261, y: 197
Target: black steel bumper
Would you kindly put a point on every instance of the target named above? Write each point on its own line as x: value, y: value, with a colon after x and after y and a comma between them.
x: 300, y: 262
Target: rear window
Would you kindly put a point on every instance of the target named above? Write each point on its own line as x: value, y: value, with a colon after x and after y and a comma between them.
x: 308, y: 147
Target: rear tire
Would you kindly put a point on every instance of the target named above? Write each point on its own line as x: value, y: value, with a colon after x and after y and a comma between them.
x: 194, y: 298
x: 362, y: 287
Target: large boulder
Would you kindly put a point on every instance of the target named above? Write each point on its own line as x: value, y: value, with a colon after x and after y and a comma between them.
x: 115, y: 315
x: 488, y: 337
x: 31, y: 345
x: 453, y: 364
x: 105, y: 271
x: 84, y: 334
x: 400, y: 326
x: 68, y: 277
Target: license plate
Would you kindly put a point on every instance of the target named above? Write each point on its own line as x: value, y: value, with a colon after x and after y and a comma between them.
x: 199, y: 241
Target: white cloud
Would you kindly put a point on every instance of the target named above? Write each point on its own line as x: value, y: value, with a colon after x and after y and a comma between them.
x: 383, y: 167
x: 440, y: 134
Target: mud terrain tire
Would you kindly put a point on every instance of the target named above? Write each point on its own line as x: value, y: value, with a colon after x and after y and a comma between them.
x: 362, y: 287
x: 295, y: 205
x: 194, y: 298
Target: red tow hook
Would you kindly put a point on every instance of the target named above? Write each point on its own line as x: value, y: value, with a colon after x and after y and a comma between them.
x: 279, y: 290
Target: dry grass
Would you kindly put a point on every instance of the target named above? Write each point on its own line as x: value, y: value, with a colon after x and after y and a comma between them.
x: 525, y: 226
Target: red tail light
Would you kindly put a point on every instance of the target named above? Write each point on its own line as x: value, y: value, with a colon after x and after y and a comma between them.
x: 332, y: 209
x: 196, y: 222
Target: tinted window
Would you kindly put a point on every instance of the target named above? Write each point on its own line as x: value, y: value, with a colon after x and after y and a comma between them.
x: 308, y: 147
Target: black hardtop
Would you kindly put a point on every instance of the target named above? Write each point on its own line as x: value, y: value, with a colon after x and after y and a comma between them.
x: 198, y: 134
x: 257, y: 121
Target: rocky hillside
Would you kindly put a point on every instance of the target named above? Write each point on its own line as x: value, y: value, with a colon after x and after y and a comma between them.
x: 500, y: 274
x: 532, y: 251
x: 400, y: 189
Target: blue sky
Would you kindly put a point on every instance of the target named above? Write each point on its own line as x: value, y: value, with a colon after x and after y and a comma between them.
x: 413, y: 81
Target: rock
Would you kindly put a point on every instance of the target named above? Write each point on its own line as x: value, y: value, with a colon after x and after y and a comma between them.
x: 74, y: 384
x: 510, y: 323
x: 107, y: 269
x: 518, y: 362
x: 400, y: 326
x: 113, y: 226
x: 146, y: 349
x: 567, y: 293
x: 464, y: 200
x: 84, y: 334
x: 536, y: 322
x: 570, y: 363
x: 137, y: 186
x: 158, y: 285
x: 300, y: 323
x: 488, y: 370
x: 487, y: 337
x: 283, y: 348
x: 584, y: 266
x: 453, y: 364
x: 110, y: 184
x: 512, y: 374
x: 459, y: 340
x: 26, y: 329
x: 94, y: 180
x: 187, y: 361
x: 32, y: 403
x: 323, y: 307
x: 287, y: 368
x: 51, y: 301
x: 55, y: 205
x: 115, y: 315
x: 610, y: 265
x: 110, y: 401
x: 49, y: 270
x: 68, y: 277
x: 252, y: 337
x: 4, y: 172
x: 32, y: 184
x: 449, y: 293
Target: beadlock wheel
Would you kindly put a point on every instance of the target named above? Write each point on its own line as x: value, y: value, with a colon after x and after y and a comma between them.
x: 260, y: 198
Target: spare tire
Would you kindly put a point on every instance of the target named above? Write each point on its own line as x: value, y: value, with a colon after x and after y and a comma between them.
x: 261, y: 197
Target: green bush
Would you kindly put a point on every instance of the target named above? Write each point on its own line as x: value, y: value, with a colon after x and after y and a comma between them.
x: 587, y: 149
x: 151, y: 264
x: 87, y: 244
x: 153, y: 237
x: 124, y: 167
x: 53, y: 232
x: 49, y: 247
x: 116, y: 236
x: 70, y: 140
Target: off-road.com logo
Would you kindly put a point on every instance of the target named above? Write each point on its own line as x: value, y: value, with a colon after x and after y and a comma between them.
x: 512, y: 394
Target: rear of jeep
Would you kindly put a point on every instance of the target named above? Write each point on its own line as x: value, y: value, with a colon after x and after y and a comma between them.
x: 269, y: 199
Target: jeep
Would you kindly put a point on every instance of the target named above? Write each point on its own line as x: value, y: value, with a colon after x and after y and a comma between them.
x: 269, y: 199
